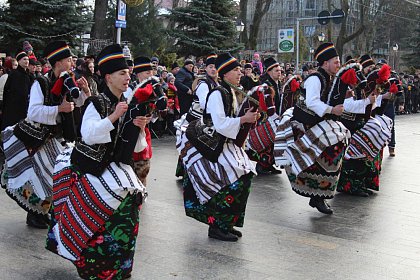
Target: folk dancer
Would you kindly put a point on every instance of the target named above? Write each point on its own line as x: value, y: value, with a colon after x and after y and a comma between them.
x: 368, y: 133
x: 361, y: 167
x: 263, y: 134
x: 97, y: 197
x: 309, y: 142
x: 143, y: 71
x: 216, y: 193
x: 31, y: 146
x: 203, y: 86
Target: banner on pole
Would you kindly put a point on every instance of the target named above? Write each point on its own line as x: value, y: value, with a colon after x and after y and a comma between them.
x: 286, y: 40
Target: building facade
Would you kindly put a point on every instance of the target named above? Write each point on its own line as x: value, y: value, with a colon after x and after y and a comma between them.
x: 283, y: 14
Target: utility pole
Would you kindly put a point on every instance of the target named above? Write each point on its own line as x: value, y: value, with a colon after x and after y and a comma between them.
x: 297, y: 32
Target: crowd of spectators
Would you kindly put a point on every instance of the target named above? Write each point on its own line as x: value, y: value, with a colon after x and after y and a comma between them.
x: 178, y: 81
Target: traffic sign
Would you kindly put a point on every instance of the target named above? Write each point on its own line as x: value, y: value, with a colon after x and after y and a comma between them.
x: 120, y: 24
x: 120, y: 21
x: 336, y: 14
x: 286, y: 41
x: 323, y: 20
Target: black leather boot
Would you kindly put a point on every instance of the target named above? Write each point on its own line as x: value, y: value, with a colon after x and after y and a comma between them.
x: 360, y: 193
x: 36, y: 221
x: 236, y: 232
x: 216, y: 233
x: 321, y: 205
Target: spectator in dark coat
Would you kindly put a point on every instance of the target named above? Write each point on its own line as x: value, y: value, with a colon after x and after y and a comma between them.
x: 183, y: 82
x: 16, y: 92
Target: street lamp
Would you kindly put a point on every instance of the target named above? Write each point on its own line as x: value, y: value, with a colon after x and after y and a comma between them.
x: 240, y: 26
x: 126, y: 52
x: 311, y: 51
x: 395, y: 49
x: 321, y: 37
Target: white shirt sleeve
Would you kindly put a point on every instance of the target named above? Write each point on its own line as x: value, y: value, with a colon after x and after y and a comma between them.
x: 228, y: 127
x: 95, y: 130
x: 202, y: 91
x: 313, y: 97
x: 379, y: 100
x: 141, y: 142
x: 37, y: 111
x: 355, y: 106
x: 78, y: 102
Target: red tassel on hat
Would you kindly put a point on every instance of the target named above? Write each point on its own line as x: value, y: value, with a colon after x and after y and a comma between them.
x: 349, y: 77
x: 294, y: 85
x: 393, y: 88
x: 58, y: 86
x: 383, y: 74
x: 142, y: 94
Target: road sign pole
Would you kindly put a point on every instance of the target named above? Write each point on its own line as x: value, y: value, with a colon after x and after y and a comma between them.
x: 119, y: 35
x: 120, y: 21
x: 297, y: 46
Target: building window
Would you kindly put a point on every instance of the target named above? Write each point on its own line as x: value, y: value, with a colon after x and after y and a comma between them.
x: 290, y: 8
x: 310, y: 5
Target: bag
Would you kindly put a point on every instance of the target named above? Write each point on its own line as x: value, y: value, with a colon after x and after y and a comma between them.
x: 195, y: 111
x: 32, y: 135
x: 204, y: 137
x: 91, y: 159
x: 261, y: 137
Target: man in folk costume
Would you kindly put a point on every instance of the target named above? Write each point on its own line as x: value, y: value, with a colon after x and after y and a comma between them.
x: 369, y: 134
x: 290, y: 92
x: 272, y: 77
x: 204, y: 86
x: 216, y: 192
x: 201, y: 87
x: 144, y: 71
x: 263, y: 134
x: 31, y: 146
x: 97, y: 196
x: 309, y: 142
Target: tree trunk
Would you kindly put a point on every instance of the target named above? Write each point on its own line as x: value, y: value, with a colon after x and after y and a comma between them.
x: 99, y: 17
x: 243, y: 7
x: 261, y: 9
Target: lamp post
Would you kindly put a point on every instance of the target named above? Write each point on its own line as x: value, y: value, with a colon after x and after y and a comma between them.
x: 395, y: 49
x: 321, y: 37
x: 311, y: 51
x: 240, y: 26
x: 126, y: 52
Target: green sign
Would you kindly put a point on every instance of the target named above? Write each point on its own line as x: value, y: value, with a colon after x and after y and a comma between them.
x: 286, y: 46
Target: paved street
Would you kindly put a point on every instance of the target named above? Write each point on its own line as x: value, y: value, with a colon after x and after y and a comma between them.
x: 366, y: 238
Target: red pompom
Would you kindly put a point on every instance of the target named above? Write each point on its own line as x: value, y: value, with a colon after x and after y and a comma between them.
x: 393, y: 88
x: 383, y: 74
x: 58, y: 86
x: 294, y: 85
x: 261, y: 99
x: 142, y: 94
x: 349, y: 77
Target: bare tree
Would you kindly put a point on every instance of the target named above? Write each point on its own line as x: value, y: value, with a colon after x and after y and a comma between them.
x: 343, y: 37
x: 261, y: 8
x: 99, y: 17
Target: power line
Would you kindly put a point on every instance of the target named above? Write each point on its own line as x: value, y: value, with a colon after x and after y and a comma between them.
x: 52, y: 5
x: 397, y: 16
x: 416, y: 3
x: 35, y: 35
